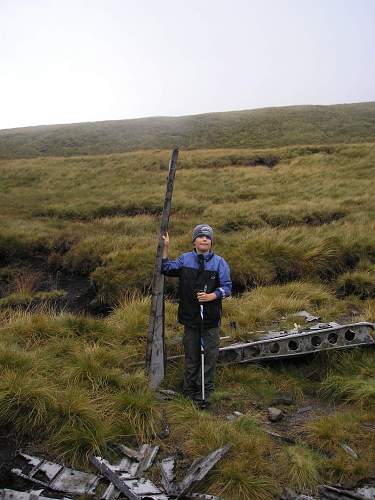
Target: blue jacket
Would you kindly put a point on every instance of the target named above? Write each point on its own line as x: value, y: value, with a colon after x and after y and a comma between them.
x: 208, y: 272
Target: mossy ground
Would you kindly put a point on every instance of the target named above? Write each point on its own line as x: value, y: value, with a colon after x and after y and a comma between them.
x: 298, y: 234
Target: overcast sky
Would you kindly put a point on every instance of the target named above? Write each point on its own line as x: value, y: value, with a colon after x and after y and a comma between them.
x: 65, y: 61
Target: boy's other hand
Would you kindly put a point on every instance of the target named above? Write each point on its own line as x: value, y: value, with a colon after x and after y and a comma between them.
x: 206, y: 297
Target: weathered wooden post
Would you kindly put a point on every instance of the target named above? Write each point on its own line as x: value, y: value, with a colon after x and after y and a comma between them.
x: 155, y: 355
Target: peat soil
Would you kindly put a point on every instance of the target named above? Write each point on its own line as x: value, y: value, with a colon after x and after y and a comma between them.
x: 80, y: 296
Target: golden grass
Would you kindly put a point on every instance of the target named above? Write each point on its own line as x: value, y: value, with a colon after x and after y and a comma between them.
x: 295, y: 236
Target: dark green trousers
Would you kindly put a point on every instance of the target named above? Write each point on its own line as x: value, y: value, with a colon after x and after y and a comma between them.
x: 193, y: 373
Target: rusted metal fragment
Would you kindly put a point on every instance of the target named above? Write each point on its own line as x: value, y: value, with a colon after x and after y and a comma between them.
x: 297, y: 344
x: 199, y: 469
x: 58, y: 477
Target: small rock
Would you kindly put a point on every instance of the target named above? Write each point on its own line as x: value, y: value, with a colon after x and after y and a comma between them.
x: 274, y: 414
x: 237, y: 413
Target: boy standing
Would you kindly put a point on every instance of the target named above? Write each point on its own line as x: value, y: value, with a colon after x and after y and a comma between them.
x: 204, y: 282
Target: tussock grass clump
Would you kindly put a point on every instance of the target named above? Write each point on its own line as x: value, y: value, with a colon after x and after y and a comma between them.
x: 32, y: 299
x: 25, y: 401
x: 360, y: 283
x: 246, y: 472
x: 260, y: 383
x: 96, y: 366
x: 359, y: 389
x: 352, y: 427
x: 87, y: 328
x: 368, y: 311
x: 303, y: 468
x: 139, y: 413
x: 79, y: 443
x: 131, y: 270
x: 130, y: 319
x: 352, y: 378
x: 234, y: 481
x: 264, y: 304
x: 329, y: 431
x: 78, y: 427
x: 34, y: 329
x: 13, y: 358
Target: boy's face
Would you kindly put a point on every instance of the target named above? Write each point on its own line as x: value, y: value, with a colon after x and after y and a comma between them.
x: 202, y: 244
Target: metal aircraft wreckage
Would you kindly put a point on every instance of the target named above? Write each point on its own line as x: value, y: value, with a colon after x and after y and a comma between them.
x: 273, y: 345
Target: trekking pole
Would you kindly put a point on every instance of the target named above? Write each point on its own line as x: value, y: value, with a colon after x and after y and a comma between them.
x: 202, y: 352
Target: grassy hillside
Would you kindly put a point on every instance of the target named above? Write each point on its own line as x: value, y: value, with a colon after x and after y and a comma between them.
x: 268, y: 127
x: 296, y: 225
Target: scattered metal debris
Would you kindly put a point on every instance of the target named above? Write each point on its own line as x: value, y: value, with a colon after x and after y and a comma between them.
x: 103, y: 468
x: 138, y: 461
x: 111, y: 493
x: 134, y: 454
x: 349, y: 450
x: 285, y: 344
x: 167, y: 476
x: 368, y: 491
x: 149, y: 453
x: 287, y: 439
x: 202, y: 496
x: 125, y: 477
x: 234, y: 416
x: 132, y: 488
x: 7, y: 494
x: 307, y: 316
x: 338, y: 493
x: 57, y: 477
x: 146, y: 489
x: 199, y: 469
